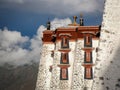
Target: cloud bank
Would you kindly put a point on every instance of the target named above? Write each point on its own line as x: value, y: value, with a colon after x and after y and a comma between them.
x: 55, y: 7
x: 16, y: 49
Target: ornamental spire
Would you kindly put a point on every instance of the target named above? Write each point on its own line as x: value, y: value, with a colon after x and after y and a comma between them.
x: 74, y: 19
x: 81, y: 20
x: 48, y: 24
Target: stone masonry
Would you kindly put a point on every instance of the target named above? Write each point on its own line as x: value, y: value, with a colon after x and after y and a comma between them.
x: 107, y: 68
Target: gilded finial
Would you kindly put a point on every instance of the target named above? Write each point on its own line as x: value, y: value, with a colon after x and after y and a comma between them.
x: 74, y: 19
x: 74, y: 22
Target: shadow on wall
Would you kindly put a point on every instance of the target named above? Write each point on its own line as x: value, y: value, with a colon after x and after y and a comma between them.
x: 110, y: 77
x: 19, y: 78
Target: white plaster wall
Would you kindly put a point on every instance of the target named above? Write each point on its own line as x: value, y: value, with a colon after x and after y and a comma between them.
x: 71, y: 61
x: 55, y: 79
x: 51, y: 80
x: 95, y: 46
x: 44, y: 75
x: 78, y: 69
x: 63, y: 84
x: 107, y: 69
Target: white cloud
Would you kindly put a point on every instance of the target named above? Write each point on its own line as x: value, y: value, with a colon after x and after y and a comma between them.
x: 16, y: 49
x: 60, y: 23
x: 12, y: 46
x: 8, y: 38
x: 56, y: 7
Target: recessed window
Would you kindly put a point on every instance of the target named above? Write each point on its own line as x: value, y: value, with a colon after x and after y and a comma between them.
x: 88, y: 41
x: 64, y: 58
x: 88, y: 57
x: 88, y: 73
x: 64, y: 74
x: 65, y: 43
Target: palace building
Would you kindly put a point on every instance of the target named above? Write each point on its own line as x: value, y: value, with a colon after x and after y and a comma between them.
x: 79, y: 57
x: 68, y: 56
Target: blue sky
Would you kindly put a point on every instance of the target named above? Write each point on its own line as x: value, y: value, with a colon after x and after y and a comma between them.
x: 20, y: 42
x: 26, y: 16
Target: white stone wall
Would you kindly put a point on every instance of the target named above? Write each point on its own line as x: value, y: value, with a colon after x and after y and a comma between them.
x: 89, y: 83
x: 51, y: 80
x: 78, y: 69
x: 107, y: 69
x: 71, y: 61
x: 55, y: 79
x: 44, y: 75
x: 56, y: 83
x: 94, y: 53
x: 78, y: 81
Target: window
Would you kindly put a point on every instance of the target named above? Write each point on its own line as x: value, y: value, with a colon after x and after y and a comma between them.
x: 65, y: 43
x: 88, y: 57
x: 64, y: 74
x: 88, y: 41
x: 88, y: 73
x: 64, y: 58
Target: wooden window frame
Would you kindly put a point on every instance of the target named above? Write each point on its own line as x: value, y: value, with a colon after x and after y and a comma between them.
x: 64, y: 74
x: 88, y: 41
x: 88, y: 58
x: 64, y: 58
x: 65, y: 42
x: 88, y: 74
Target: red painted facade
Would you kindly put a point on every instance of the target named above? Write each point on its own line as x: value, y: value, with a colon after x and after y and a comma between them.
x: 73, y: 33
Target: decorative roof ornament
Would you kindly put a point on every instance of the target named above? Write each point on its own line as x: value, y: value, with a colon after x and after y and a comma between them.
x: 81, y: 20
x: 48, y: 24
x: 74, y: 19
